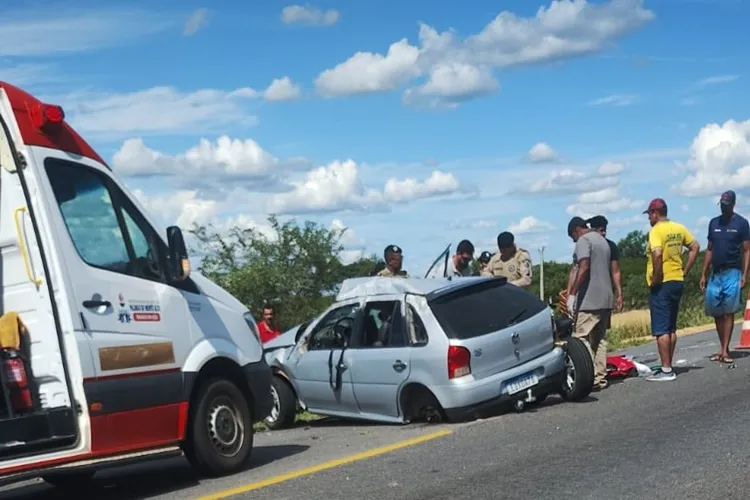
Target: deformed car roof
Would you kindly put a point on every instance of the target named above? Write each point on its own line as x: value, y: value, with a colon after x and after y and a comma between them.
x: 374, y: 285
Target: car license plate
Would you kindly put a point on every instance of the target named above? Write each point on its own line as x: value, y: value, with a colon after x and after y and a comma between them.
x: 518, y: 384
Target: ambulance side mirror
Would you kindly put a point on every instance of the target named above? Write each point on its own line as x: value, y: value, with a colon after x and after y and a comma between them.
x: 179, y: 264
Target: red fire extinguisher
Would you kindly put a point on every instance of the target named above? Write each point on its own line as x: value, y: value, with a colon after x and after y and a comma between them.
x: 17, y: 381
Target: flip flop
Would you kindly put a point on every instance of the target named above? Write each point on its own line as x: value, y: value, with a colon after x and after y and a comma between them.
x: 727, y: 360
x: 715, y: 357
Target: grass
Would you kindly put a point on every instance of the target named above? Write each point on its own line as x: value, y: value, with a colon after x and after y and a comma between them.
x: 303, y: 417
x: 633, y: 327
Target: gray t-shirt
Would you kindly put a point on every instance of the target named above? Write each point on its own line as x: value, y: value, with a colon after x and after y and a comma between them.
x: 595, y: 292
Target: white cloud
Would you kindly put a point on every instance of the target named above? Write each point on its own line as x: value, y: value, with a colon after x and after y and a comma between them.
x: 26, y: 74
x: 530, y: 225
x: 604, y: 201
x: 715, y: 80
x: 183, y: 208
x: 309, y: 15
x: 44, y: 32
x: 225, y: 159
x: 611, y: 168
x: 366, y: 72
x: 461, y: 69
x: 541, y: 152
x: 719, y: 160
x: 338, y: 187
x: 355, y: 247
x: 567, y: 181
x: 685, y: 207
x: 618, y: 100
x: 282, y: 89
x: 197, y: 20
x: 159, y: 110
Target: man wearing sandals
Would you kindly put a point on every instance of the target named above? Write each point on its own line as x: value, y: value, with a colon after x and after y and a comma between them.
x: 728, y: 255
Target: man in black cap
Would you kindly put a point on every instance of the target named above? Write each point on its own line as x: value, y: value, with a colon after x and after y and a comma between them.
x: 728, y: 255
x: 483, y: 260
x: 599, y: 224
x: 590, y: 297
x: 393, y: 257
x: 510, y: 262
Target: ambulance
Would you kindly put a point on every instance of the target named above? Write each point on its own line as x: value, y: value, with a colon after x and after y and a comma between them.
x: 111, y: 350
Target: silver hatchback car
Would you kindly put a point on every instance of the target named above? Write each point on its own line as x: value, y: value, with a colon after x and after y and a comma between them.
x: 398, y: 350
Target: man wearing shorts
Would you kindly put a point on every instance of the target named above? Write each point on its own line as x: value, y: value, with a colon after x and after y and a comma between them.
x: 665, y: 277
x: 728, y: 254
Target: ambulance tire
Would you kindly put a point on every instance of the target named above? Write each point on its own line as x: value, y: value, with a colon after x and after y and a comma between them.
x: 70, y: 480
x: 220, y: 429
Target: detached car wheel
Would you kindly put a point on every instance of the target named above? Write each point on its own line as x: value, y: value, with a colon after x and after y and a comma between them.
x: 578, y: 379
x: 284, y: 410
x: 220, y: 430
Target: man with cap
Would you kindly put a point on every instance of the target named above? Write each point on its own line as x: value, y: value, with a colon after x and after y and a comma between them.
x: 665, y: 277
x: 590, y: 298
x: 728, y: 255
x: 483, y: 260
x: 599, y: 224
x: 511, y: 262
x: 393, y: 257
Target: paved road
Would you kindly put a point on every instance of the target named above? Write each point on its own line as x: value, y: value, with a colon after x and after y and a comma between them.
x: 686, y: 439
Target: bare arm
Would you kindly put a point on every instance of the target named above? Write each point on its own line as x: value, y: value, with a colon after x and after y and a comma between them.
x: 614, y: 268
x: 694, y: 248
x: 583, y: 270
x: 571, y: 277
x: 707, y: 259
x: 658, y: 274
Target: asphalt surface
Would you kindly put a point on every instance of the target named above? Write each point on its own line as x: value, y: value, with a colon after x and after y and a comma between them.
x: 687, y: 439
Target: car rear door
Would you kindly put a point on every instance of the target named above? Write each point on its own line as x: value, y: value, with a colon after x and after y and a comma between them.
x: 502, y: 325
x: 380, y: 356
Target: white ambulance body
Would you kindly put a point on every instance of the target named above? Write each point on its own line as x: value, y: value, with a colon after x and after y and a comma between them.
x: 110, y: 349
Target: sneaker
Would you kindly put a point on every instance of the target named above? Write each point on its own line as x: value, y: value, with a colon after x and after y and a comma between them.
x: 660, y: 376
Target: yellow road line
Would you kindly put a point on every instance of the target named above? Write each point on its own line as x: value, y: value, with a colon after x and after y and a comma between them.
x: 324, y: 466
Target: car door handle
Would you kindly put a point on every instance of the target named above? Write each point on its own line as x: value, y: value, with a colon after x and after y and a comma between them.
x: 91, y: 304
x: 399, y: 366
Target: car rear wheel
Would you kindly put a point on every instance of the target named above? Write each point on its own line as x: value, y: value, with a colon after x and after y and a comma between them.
x: 284, y: 410
x: 420, y: 404
x: 578, y: 379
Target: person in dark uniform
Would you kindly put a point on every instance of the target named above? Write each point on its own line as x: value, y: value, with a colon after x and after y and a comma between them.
x: 484, y: 259
x: 599, y: 224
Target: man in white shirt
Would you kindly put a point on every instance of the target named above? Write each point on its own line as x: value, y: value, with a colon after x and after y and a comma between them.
x: 459, y: 265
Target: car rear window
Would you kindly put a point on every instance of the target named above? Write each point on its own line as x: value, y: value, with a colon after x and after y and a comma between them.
x: 484, y: 308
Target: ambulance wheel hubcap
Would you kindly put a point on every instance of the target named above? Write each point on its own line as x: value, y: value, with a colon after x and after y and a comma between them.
x: 225, y: 427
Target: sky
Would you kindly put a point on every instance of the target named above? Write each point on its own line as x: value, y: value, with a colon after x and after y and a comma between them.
x: 412, y: 123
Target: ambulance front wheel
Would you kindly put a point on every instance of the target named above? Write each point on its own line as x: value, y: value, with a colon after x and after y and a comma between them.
x: 220, y: 430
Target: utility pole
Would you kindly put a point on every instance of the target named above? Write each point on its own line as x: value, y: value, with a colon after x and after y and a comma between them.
x: 541, y: 273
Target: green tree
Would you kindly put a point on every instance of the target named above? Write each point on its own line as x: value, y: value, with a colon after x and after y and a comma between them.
x: 299, y: 270
x: 633, y: 244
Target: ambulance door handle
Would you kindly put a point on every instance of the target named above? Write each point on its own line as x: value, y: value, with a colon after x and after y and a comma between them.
x: 92, y: 304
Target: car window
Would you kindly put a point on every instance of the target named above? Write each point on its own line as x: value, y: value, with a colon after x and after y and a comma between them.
x: 417, y: 330
x: 323, y: 335
x: 383, y: 325
x: 484, y: 308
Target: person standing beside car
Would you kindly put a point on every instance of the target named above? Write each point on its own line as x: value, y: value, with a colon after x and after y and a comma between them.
x: 599, y: 224
x: 590, y: 300
x: 510, y: 262
x: 483, y: 260
x: 665, y: 277
x: 267, y: 327
x: 728, y: 255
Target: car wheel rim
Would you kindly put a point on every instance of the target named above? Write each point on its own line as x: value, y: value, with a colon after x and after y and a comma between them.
x: 570, y: 374
x: 276, y: 408
x: 225, y: 427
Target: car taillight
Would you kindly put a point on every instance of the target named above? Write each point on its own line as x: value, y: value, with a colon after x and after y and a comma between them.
x: 459, y: 361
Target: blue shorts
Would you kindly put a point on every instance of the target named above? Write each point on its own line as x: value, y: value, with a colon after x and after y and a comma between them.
x: 723, y: 293
x: 664, y: 304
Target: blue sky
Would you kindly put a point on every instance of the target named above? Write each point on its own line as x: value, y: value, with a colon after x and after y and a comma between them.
x: 417, y: 123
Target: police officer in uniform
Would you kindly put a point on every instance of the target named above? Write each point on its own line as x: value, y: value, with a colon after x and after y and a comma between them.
x: 393, y: 257
x: 511, y: 262
x: 484, y: 259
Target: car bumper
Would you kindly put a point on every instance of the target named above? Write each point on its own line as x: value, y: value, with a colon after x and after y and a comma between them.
x: 463, y: 400
x: 259, y: 381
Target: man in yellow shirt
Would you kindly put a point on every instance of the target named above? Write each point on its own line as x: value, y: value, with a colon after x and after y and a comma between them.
x: 665, y: 277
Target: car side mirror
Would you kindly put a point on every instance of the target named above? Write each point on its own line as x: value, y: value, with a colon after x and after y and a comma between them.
x: 179, y: 264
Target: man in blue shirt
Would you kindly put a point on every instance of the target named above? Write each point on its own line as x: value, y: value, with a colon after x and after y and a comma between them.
x: 728, y: 254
